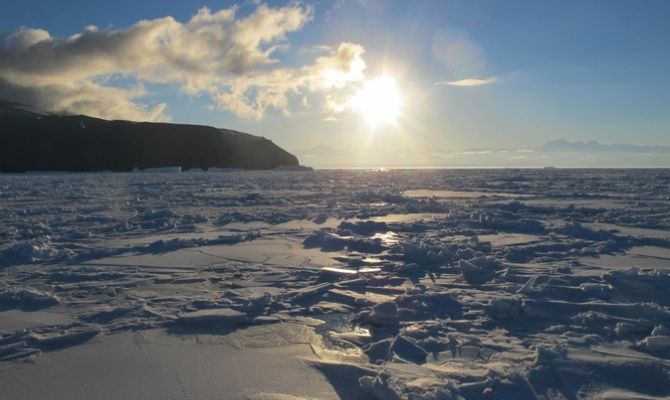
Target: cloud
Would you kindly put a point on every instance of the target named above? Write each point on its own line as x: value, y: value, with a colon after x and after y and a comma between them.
x: 469, y: 82
x: 272, y: 89
x: 228, y: 57
x: 473, y: 152
x: 86, y: 98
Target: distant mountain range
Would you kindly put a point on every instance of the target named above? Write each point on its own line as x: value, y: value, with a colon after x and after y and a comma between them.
x: 555, y: 145
x: 560, y: 153
x: 593, y: 146
x: 34, y: 140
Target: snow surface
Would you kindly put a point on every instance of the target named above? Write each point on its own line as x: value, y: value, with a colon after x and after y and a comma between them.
x: 476, y: 284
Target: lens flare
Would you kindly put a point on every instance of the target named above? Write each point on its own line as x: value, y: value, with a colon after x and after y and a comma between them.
x: 378, y: 101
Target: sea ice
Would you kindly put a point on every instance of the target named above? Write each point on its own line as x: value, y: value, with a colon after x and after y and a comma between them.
x: 479, y: 284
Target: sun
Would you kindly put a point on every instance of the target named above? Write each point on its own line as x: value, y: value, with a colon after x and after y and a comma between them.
x: 378, y: 101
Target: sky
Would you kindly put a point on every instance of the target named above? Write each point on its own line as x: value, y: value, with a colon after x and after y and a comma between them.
x: 353, y: 76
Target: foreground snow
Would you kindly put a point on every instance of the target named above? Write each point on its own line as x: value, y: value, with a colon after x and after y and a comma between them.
x: 401, y: 284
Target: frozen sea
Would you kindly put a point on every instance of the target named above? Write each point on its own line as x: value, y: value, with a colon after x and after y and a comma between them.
x: 327, y: 284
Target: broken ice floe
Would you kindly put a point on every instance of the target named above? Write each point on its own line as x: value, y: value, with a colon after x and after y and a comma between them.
x: 477, y: 296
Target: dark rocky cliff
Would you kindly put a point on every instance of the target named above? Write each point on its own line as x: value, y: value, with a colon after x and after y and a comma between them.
x: 31, y: 140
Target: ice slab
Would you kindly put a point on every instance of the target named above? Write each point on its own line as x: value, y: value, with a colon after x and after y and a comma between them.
x: 641, y: 256
x: 14, y: 320
x: 157, y: 366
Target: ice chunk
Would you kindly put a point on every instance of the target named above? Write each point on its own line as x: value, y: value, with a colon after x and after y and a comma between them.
x: 12, y: 348
x: 367, y: 228
x: 27, y: 297
x: 600, y: 290
x: 379, y: 350
x: 660, y: 330
x: 328, y: 241
x: 29, y: 252
x: 624, y: 329
x: 407, y: 349
x: 106, y: 315
x: 655, y: 343
x: 382, y: 389
x: 308, y: 291
x: 382, y: 314
x: 63, y: 339
x: 577, y: 230
x: 475, y: 274
x: 256, y: 304
x: 360, y: 299
x: 212, y: 317
x: 505, y: 308
x: 545, y: 356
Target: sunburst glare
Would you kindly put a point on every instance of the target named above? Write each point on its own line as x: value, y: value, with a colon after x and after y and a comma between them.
x: 378, y: 101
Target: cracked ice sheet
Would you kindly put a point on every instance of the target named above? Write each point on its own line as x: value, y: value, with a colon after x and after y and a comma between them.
x: 642, y: 256
x: 151, y: 364
x: 276, y: 252
x: 423, y: 297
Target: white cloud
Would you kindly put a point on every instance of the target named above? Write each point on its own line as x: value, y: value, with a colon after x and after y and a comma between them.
x: 469, y: 82
x: 25, y: 37
x: 251, y: 95
x: 474, y: 152
x: 231, y: 58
